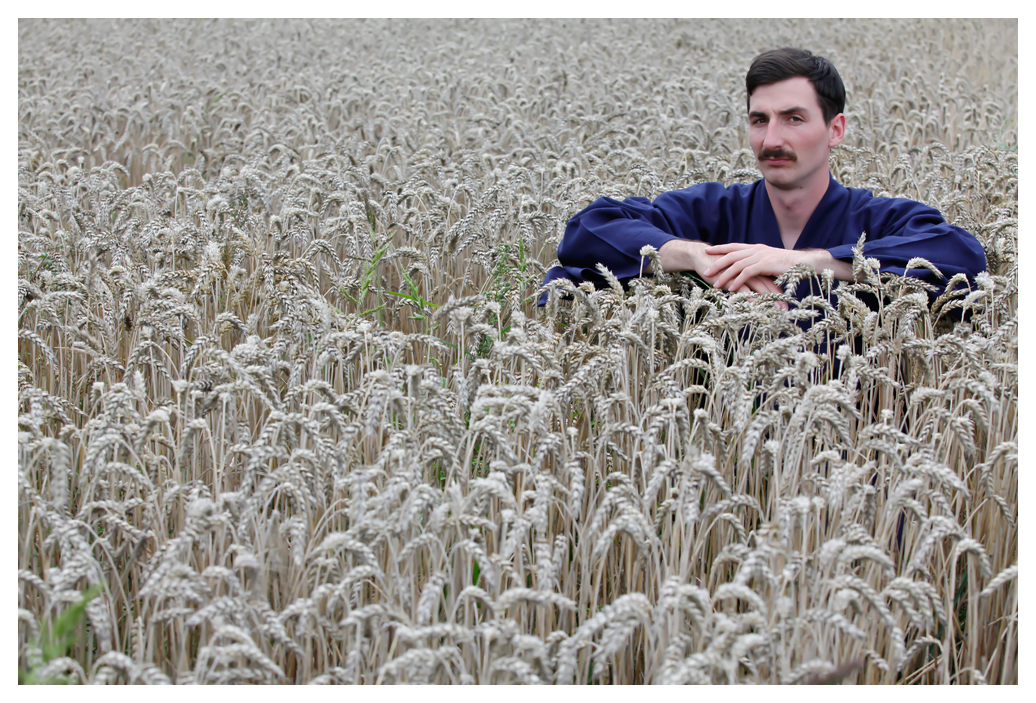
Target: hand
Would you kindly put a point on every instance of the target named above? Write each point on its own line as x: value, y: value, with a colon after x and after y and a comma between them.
x: 689, y: 255
x: 761, y: 284
x: 738, y: 263
x: 707, y: 266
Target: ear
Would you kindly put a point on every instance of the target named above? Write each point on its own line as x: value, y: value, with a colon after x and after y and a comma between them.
x: 837, y: 130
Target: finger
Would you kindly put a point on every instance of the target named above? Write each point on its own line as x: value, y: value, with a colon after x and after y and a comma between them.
x: 725, y: 261
x: 755, y: 284
x: 760, y: 264
x: 777, y: 290
x: 727, y: 248
x: 765, y: 284
x: 728, y: 275
x: 771, y: 287
x: 723, y: 273
x: 721, y: 280
x: 743, y: 288
x: 747, y: 272
x: 758, y: 284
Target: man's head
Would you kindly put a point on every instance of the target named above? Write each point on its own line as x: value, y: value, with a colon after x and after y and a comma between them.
x: 795, y: 103
x: 781, y: 64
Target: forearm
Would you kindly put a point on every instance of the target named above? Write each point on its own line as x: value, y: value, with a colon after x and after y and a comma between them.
x: 734, y: 264
x: 690, y: 255
x: 821, y: 260
x: 682, y: 255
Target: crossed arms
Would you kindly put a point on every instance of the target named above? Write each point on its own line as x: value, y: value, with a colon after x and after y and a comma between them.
x: 680, y: 225
x: 745, y: 267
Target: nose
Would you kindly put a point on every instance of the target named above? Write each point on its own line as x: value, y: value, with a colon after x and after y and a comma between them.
x: 773, y: 139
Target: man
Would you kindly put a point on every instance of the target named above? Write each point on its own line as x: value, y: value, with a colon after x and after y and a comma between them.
x: 743, y: 236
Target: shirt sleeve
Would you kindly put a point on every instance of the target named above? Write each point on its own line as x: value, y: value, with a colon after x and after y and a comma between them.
x: 899, y: 229
x: 612, y: 233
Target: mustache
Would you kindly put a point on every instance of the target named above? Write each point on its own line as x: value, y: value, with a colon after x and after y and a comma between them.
x: 776, y: 154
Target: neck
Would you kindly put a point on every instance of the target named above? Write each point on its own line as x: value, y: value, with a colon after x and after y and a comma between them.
x: 793, y: 208
x: 799, y: 200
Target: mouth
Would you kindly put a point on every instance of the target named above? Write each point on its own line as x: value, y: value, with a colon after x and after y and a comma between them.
x: 778, y: 158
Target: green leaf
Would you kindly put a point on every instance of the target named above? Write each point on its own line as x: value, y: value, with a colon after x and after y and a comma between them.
x: 420, y: 301
x: 56, y: 640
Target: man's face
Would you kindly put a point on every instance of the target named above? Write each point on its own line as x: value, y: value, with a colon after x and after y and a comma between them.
x: 788, y: 135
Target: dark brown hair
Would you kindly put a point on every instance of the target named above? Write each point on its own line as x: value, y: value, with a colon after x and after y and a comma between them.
x: 778, y: 65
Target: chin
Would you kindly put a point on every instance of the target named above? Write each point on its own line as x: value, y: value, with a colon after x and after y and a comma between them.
x: 779, y: 180
x: 771, y: 173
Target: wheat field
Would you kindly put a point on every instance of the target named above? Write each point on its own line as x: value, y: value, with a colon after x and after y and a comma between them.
x: 288, y: 411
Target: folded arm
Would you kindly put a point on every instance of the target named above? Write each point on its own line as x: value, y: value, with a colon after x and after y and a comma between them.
x: 735, y: 264
x: 689, y: 255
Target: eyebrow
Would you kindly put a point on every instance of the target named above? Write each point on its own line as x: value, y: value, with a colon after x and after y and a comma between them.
x: 789, y: 111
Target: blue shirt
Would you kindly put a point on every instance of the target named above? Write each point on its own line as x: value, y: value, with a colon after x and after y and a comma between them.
x: 613, y: 232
